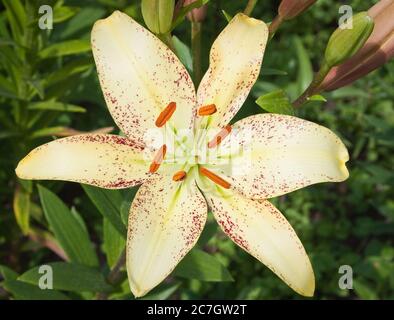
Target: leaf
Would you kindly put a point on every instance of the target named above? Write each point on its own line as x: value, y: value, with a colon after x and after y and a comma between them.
x: 56, y: 106
x: 364, y: 291
x: 272, y: 72
x: 227, y: 15
x: 276, y: 102
x: 67, y: 229
x: 25, y: 291
x: 21, y: 206
x: 349, y: 92
x: 7, y: 273
x: 202, y: 266
x: 45, y: 132
x: 65, y: 48
x: 69, y: 69
x: 114, y: 243
x: 16, y: 16
x: 70, y: 277
x: 7, y: 89
x: 305, y: 71
x: 64, y: 13
x: 183, y: 53
x: 185, y: 10
x: 163, y: 292
x: 317, y: 97
x: 108, y: 203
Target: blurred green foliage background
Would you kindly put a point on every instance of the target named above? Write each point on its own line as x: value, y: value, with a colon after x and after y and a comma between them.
x: 48, y: 85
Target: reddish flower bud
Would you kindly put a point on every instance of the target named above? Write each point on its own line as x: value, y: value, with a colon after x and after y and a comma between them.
x: 289, y: 9
x: 378, y: 49
x: 198, y: 14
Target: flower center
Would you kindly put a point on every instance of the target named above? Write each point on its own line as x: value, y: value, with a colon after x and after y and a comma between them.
x: 180, y: 175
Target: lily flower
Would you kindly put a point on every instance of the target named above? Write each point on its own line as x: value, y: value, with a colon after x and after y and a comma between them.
x: 202, y: 162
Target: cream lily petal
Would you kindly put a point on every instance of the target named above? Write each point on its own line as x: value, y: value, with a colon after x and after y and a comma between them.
x: 235, y: 61
x: 140, y: 76
x: 261, y: 230
x: 102, y: 160
x: 270, y: 155
x: 166, y: 219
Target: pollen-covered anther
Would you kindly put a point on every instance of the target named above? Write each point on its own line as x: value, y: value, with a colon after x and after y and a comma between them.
x: 158, y: 159
x: 179, y: 176
x: 215, y: 178
x: 219, y: 137
x: 207, y: 110
x: 165, y: 115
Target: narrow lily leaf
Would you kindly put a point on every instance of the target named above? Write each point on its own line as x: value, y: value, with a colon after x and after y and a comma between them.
x: 65, y: 48
x: 67, y: 229
x: 317, y: 97
x: 70, y: 277
x: 202, y: 266
x: 7, y: 89
x: 69, y: 69
x: 7, y: 273
x: 25, y: 291
x: 185, y: 10
x: 183, y: 53
x: 305, y: 71
x: 16, y: 16
x: 56, y: 106
x: 45, y: 132
x: 272, y: 72
x: 227, y: 16
x: 21, y: 205
x: 163, y: 292
x: 108, y: 203
x: 114, y: 243
x: 64, y: 13
x: 276, y: 102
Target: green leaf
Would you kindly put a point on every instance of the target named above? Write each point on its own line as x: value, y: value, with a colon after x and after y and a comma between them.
x: 108, y: 203
x: 46, y: 132
x: 17, y: 17
x: 317, y: 97
x: 25, y: 291
x: 364, y: 291
x: 65, y: 48
x: 114, y: 243
x: 349, y: 92
x: 70, y: 277
x: 305, y: 71
x: 7, y: 88
x: 21, y: 206
x: 67, y: 229
x: 202, y: 266
x: 276, y: 102
x: 163, y: 292
x: 185, y: 10
x: 56, y: 106
x: 183, y: 53
x: 7, y: 273
x: 69, y: 69
x: 64, y: 13
x: 272, y: 72
x: 227, y: 16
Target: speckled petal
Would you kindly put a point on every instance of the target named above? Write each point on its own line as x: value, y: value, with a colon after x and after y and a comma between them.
x: 140, y: 76
x: 261, y: 230
x: 102, y: 160
x: 281, y: 154
x: 166, y: 219
x: 234, y: 66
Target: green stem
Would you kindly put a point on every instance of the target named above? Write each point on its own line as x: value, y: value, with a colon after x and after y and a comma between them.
x: 167, y: 39
x: 196, y: 51
x: 249, y: 7
x: 314, y: 86
x: 115, y: 275
x: 274, y: 25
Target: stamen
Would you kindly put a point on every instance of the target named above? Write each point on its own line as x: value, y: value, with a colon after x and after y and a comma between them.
x: 215, y: 178
x: 165, y: 115
x: 219, y: 137
x: 207, y: 110
x: 179, y: 176
x: 158, y: 159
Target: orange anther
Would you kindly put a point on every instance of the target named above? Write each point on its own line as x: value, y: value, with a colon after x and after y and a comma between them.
x: 219, y: 137
x: 207, y: 110
x: 179, y: 176
x: 158, y: 159
x: 166, y: 114
x: 215, y: 178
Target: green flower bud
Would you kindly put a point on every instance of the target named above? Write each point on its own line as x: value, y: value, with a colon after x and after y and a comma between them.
x: 344, y: 43
x: 158, y: 15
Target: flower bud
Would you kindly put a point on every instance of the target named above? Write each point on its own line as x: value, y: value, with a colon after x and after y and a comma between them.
x: 158, y: 15
x: 289, y: 9
x: 198, y: 14
x: 344, y: 43
x: 378, y: 49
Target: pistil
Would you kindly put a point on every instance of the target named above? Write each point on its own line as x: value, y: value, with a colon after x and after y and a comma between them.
x: 215, y: 178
